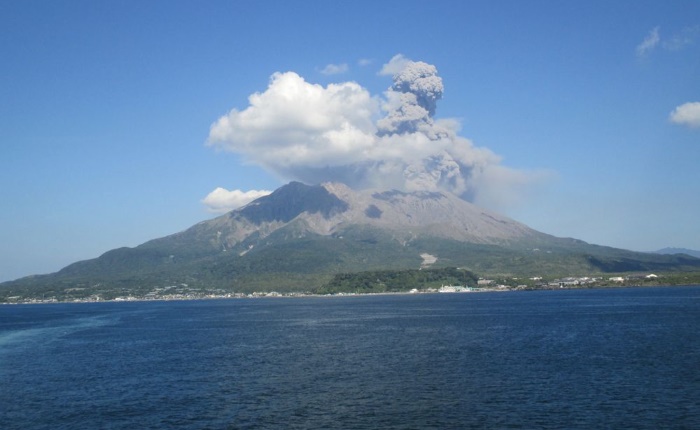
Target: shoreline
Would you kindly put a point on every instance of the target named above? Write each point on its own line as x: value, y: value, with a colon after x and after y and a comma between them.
x: 292, y: 295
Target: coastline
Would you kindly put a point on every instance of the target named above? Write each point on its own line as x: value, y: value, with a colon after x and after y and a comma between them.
x: 291, y: 295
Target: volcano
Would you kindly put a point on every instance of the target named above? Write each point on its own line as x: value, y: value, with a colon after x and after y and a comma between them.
x: 300, y: 235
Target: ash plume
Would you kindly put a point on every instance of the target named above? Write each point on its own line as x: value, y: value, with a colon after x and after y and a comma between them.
x: 310, y: 133
x: 412, y: 99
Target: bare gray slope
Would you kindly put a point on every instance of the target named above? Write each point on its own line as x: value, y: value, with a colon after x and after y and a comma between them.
x: 438, y: 214
x: 330, y: 208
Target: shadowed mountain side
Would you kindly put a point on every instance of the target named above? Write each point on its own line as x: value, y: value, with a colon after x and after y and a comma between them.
x: 691, y: 252
x: 300, y: 236
x: 290, y: 201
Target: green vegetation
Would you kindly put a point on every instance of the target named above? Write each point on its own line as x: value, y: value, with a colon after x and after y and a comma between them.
x: 392, y: 281
x: 556, y: 257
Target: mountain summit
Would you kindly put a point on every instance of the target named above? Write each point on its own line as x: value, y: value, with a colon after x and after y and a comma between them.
x: 330, y: 208
x: 301, y: 235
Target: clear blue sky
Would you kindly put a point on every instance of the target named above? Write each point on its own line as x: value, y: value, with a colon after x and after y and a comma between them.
x: 106, y: 109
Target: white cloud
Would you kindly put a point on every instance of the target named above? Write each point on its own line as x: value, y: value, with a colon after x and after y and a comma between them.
x: 686, y: 114
x: 395, y: 65
x: 295, y: 123
x: 222, y: 200
x: 335, y: 69
x: 683, y: 38
x: 677, y: 42
x: 649, y: 43
x: 311, y: 133
x: 364, y: 62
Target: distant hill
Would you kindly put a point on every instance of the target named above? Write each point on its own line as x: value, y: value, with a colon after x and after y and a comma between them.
x: 300, y: 236
x: 671, y: 251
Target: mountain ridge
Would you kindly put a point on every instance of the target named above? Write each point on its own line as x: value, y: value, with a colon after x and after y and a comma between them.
x: 671, y: 251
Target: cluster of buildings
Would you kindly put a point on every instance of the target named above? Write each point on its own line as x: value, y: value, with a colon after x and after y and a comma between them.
x: 583, y: 281
x: 568, y: 282
x: 185, y: 292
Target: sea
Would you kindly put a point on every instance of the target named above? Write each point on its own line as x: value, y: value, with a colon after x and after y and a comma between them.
x: 560, y: 359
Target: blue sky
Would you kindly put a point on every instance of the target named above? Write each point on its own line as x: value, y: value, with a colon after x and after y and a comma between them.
x: 106, y: 110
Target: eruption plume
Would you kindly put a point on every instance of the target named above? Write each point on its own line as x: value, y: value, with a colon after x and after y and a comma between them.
x: 310, y: 133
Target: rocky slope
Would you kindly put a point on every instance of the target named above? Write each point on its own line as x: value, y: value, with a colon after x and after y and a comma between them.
x: 330, y: 209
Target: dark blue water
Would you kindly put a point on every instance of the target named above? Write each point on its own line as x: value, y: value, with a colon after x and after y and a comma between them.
x: 623, y: 358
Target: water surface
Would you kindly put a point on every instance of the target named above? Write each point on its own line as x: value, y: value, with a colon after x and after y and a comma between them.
x: 606, y: 358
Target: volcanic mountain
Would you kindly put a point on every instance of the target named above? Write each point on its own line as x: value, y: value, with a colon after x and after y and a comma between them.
x: 301, y: 235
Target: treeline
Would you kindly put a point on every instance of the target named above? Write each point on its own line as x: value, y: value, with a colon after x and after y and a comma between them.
x: 388, y: 281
